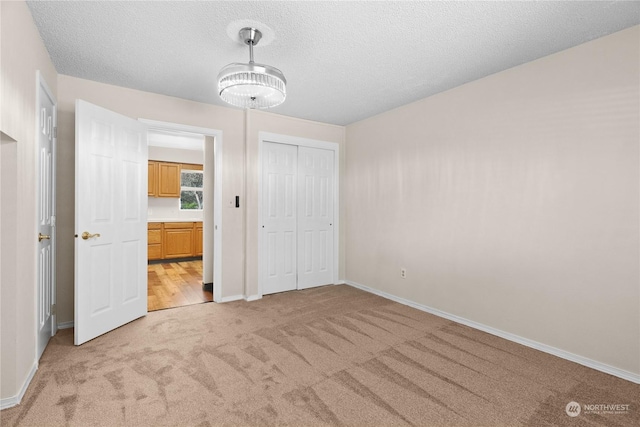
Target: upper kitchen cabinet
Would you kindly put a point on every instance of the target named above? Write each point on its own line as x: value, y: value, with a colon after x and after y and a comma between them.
x: 153, y: 179
x: 164, y: 179
x: 168, y: 179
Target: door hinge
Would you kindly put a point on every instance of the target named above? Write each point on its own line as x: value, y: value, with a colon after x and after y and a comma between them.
x: 53, y: 309
x: 55, y: 131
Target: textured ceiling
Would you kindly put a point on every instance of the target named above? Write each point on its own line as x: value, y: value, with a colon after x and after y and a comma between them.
x: 344, y: 61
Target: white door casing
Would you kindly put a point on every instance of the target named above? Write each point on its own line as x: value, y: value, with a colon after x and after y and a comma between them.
x: 315, y: 217
x: 46, y: 124
x: 279, y: 217
x: 111, y: 206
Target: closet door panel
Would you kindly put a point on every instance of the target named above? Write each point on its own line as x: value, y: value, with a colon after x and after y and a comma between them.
x: 279, y: 175
x: 315, y: 217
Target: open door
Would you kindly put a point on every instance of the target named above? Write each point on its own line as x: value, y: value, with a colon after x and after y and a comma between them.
x: 111, y: 221
x: 46, y: 135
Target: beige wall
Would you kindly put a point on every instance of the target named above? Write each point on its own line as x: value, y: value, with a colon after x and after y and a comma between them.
x: 8, y: 261
x: 512, y: 201
x: 260, y: 121
x: 21, y: 54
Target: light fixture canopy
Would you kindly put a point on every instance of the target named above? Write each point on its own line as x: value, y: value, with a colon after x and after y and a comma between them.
x: 251, y: 85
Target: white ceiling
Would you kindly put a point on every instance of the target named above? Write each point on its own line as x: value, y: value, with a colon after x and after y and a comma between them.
x: 344, y: 61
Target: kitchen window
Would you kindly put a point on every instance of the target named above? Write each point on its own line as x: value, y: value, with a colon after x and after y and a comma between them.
x: 191, y: 190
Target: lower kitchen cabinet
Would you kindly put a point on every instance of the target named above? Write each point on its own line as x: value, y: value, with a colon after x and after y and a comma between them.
x: 178, y: 240
x: 154, y: 240
x: 170, y: 240
x: 199, y: 239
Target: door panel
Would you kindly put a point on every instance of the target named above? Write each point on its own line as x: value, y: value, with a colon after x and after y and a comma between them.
x: 315, y: 222
x: 130, y: 260
x: 111, y: 204
x: 101, y: 297
x: 46, y: 218
x: 279, y: 222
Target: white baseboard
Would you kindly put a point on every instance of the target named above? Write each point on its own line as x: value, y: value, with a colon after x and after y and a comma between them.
x: 231, y: 298
x: 15, y: 400
x: 65, y: 325
x: 257, y: 297
x: 589, y: 363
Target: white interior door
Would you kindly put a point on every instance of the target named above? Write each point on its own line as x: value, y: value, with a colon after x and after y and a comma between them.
x: 315, y: 217
x: 46, y: 216
x: 111, y: 221
x: 280, y: 162
x: 298, y: 196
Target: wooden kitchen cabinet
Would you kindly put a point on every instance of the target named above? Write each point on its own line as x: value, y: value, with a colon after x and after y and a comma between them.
x: 154, y: 240
x: 192, y: 166
x: 199, y: 241
x: 164, y: 179
x: 153, y: 179
x: 177, y: 240
x: 168, y: 179
x: 169, y: 240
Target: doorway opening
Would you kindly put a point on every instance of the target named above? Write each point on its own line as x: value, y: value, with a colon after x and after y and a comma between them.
x: 183, y: 214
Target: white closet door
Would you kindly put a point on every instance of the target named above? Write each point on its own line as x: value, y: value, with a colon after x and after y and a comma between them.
x: 279, y: 217
x: 315, y: 217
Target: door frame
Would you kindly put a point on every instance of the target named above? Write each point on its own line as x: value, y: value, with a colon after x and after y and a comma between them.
x: 264, y: 137
x: 217, y: 193
x: 41, y: 83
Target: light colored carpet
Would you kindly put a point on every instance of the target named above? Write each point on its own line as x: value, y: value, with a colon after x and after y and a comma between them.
x: 326, y: 356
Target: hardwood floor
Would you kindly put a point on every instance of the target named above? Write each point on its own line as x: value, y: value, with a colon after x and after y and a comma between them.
x: 175, y: 284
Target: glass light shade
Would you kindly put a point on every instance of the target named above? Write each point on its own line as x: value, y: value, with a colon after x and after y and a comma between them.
x: 252, y: 85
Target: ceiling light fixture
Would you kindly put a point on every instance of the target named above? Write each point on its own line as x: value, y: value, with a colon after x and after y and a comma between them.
x: 251, y: 85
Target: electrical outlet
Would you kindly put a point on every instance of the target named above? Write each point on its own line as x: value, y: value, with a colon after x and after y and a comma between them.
x: 403, y: 273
